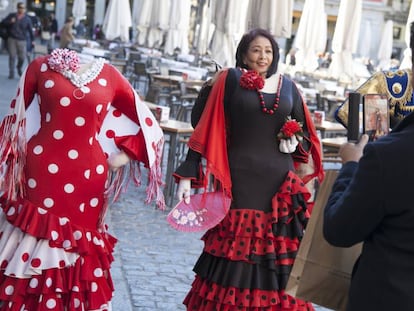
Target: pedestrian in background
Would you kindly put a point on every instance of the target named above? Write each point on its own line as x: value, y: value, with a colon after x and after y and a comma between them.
x: 240, y: 132
x: 66, y: 34
x: 53, y: 30
x: 20, y: 35
x: 371, y: 202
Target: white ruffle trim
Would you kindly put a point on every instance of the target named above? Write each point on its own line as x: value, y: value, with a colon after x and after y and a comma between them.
x: 26, y: 255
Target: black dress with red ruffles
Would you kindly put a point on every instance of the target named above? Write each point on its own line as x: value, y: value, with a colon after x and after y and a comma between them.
x: 247, y: 257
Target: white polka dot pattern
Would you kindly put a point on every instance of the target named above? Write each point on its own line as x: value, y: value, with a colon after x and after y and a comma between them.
x: 69, y: 188
x: 51, y: 303
x: 38, y: 150
x: 73, y: 154
x: 31, y: 183
x: 94, y: 202
x: 58, y: 134
x: 53, y: 168
x: 80, y: 121
x: 67, y: 144
x: 48, y: 202
x: 65, y: 101
x: 49, y: 84
x: 9, y: 290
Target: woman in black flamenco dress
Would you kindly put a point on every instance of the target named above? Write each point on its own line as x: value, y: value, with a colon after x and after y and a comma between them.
x: 248, y: 256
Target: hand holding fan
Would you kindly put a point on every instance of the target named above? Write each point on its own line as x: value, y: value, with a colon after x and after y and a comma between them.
x: 204, y: 211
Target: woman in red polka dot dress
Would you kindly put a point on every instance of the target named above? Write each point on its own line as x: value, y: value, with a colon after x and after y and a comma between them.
x: 63, y: 149
x: 261, y: 120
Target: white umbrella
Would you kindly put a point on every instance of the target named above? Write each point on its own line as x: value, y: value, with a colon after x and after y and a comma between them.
x: 151, y: 19
x: 179, y: 26
x: 206, y: 27
x: 311, y: 35
x: 345, y: 38
x: 385, y: 47
x: 78, y: 10
x: 229, y: 18
x: 406, y: 62
x: 117, y: 20
x: 274, y: 16
x: 365, y: 39
x: 141, y: 18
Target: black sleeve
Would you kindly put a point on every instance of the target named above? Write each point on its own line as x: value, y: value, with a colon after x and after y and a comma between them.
x: 200, y: 103
x: 191, y: 167
x: 358, y: 190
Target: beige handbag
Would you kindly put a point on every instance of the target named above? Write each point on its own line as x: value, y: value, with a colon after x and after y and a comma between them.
x: 321, y: 273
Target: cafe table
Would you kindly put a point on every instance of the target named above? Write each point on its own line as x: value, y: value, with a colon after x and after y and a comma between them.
x: 330, y: 147
x: 176, y: 80
x: 332, y: 144
x: 330, y: 129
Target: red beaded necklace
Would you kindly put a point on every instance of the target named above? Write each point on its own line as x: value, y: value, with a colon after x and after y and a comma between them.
x: 252, y: 80
x: 275, y: 104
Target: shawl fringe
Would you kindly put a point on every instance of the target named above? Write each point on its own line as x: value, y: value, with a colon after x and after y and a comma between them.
x: 13, y: 157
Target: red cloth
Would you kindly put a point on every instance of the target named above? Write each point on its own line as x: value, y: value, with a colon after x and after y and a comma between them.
x: 209, y: 138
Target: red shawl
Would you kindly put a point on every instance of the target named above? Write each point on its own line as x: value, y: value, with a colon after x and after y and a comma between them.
x: 209, y: 138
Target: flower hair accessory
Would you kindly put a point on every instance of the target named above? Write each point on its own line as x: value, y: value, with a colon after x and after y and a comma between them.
x: 251, y: 80
x: 62, y: 60
x: 290, y: 128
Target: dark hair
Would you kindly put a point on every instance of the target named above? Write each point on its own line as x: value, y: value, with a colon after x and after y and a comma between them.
x: 243, y: 47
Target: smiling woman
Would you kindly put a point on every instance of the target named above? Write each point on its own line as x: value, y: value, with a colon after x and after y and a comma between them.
x: 244, y: 133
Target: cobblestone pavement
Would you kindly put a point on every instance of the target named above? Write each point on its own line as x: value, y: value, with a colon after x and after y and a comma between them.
x: 153, y: 262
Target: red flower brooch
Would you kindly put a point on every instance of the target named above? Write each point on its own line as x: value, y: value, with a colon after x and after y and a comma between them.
x: 290, y: 128
x: 251, y: 80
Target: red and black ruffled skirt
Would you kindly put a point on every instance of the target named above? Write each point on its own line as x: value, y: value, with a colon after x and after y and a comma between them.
x: 247, y: 258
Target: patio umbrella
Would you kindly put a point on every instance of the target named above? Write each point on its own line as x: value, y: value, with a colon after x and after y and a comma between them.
x: 78, y: 10
x: 406, y: 62
x: 345, y: 38
x: 311, y: 35
x: 117, y: 20
x: 179, y: 26
x: 365, y: 39
x: 206, y: 27
x: 151, y: 20
x: 274, y: 16
x: 141, y: 18
x: 385, y: 47
x: 229, y: 18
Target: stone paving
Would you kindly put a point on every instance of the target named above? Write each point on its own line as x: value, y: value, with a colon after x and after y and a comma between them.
x: 153, y: 262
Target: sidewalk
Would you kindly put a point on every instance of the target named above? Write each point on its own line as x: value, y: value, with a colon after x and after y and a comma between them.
x: 153, y: 263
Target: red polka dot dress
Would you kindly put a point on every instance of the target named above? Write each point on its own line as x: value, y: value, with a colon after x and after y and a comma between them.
x: 55, y: 253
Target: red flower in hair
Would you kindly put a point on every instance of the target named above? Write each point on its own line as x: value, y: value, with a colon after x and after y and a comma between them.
x: 290, y: 128
x: 251, y: 80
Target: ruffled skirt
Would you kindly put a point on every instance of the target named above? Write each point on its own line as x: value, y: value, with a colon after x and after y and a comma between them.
x: 247, y: 258
x: 49, y: 263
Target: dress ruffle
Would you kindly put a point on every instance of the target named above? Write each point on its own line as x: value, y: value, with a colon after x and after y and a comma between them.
x: 207, y: 296
x: 247, y: 233
x: 49, y: 259
x: 60, y: 231
x: 247, y: 258
x: 53, y: 289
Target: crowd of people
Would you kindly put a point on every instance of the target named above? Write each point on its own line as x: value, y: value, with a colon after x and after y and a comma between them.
x: 254, y: 147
